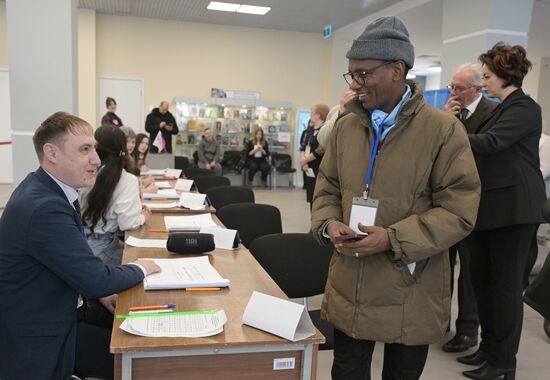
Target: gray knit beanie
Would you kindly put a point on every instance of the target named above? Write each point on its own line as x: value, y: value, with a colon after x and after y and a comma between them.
x: 386, y: 39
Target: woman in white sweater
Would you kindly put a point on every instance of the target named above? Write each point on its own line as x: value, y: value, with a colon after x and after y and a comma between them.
x: 113, y: 204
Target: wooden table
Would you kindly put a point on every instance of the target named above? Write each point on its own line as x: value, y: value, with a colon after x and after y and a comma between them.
x: 239, y: 352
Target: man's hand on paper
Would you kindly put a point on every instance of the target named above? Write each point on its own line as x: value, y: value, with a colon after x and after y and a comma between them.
x: 109, y: 303
x: 377, y: 240
x: 149, y: 266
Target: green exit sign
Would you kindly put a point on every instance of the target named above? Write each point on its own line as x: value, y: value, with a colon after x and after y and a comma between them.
x: 327, y: 31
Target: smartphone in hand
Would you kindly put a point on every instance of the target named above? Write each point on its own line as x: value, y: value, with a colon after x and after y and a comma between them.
x: 349, y: 238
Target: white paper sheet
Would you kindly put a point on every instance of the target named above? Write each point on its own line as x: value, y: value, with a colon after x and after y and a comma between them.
x: 193, y: 201
x: 189, y: 222
x: 284, y: 318
x: 169, y: 191
x: 163, y: 184
x: 156, y: 172
x: 191, y: 272
x: 163, y: 172
x: 184, y: 184
x: 192, y: 325
x: 146, y: 243
x: 310, y: 173
x: 224, y: 238
x: 160, y: 206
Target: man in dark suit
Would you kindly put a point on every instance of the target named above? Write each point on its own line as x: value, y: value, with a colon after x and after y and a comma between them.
x: 160, y: 120
x: 468, y: 104
x: 45, y: 262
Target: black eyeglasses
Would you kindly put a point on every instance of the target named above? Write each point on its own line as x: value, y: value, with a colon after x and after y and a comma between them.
x: 360, y: 76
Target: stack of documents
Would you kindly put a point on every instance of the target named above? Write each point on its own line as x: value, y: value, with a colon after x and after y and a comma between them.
x: 161, y: 206
x: 163, y: 185
x: 192, y: 272
x: 191, y: 324
x: 193, y: 201
x: 163, y: 172
x: 188, y: 222
x: 162, y: 194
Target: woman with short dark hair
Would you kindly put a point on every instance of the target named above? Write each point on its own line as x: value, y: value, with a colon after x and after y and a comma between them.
x: 503, y: 245
x: 111, y: 118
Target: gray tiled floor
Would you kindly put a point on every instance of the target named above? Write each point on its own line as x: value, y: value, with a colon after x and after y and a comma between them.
x: 534, y: 353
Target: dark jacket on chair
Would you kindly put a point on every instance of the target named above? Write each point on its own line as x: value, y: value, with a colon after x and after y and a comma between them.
x: 505, y: 148
x: 45, y: 263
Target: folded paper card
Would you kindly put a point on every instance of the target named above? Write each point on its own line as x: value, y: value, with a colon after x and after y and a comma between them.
x: 184, y: 184
x: 192, y: 272
x: 280, y: 317
x: 193, y: 201
x: 188, y: 222
x: 224, y: 238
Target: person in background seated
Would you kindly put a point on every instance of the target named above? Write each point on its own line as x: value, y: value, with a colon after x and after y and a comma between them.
x: 311, y: 152
x: 113, y: 204
x: 257, y: 151
x: 209, y: 153
x: 146, y: 183
x: 160, y: 120
x: 45, y: 262
x: 111, y: 118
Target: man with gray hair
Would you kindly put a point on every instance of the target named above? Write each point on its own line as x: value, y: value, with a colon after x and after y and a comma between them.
x: 472, y: 108
x: 397, y: 187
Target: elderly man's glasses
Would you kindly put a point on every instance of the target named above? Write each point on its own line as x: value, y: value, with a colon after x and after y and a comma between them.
x: 458, y: 89
x: 360, y: 76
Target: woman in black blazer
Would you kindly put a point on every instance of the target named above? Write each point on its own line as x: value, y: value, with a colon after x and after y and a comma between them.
x: 503, y: 245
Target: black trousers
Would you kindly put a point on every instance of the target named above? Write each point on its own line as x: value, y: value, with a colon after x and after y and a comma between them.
x: 254, y: 165
x: 467, y: 321
x: 93, y: 338
x: 353, y: 357
x: 499, y: 261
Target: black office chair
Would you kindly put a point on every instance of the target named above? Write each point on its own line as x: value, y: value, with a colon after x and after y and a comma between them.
x: 282, y: 163
x: 205, y: 182
x: 299, y: 265
x: 196, y: 158
x: 181, y: 162
x: 220, y: 196
x: 251, y: 220
x: 191, y: 173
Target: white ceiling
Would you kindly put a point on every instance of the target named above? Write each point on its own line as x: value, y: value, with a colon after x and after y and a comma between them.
x: 295, y: 15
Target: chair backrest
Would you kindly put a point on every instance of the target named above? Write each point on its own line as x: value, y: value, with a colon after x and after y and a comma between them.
x: 191, y: 173
x: 181, y: 162
x: 251, y: 220
x: 281, y: 161
x: 205, y: 182
x: 220, y: 196
x: 296, y: 262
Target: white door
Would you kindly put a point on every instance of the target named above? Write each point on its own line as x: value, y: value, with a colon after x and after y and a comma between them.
x: 128, y: 93
x: 6, y: 169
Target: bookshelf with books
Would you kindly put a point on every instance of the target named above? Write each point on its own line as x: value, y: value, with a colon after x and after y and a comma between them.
x: 233, y: 123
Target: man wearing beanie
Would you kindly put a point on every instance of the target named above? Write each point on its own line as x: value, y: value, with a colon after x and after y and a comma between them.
x: 402, y: 173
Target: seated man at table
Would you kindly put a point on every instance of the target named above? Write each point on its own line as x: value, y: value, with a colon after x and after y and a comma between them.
x: 45, y: 262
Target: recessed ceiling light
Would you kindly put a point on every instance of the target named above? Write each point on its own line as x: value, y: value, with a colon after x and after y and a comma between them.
x: 434, y: 69
x: 252, y: 9
x: 240, y: 8
x: 411, y: 76
x: 225, y: 7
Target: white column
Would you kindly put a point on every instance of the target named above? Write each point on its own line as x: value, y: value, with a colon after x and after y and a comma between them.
x: 42, y: 53
x: 471, y: 27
